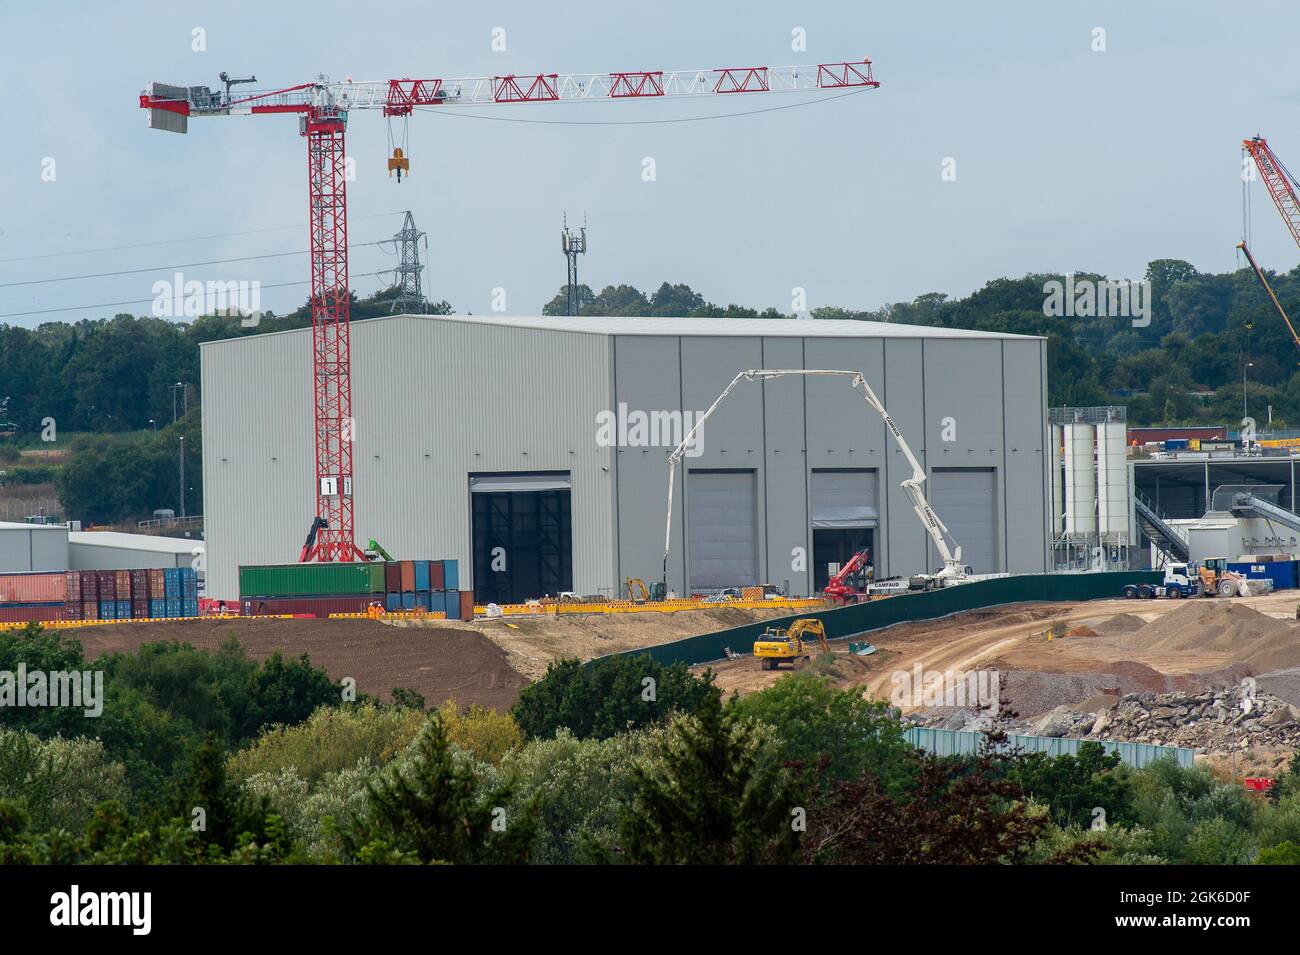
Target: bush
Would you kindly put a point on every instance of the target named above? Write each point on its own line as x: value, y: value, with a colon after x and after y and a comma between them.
x: 484, y: 733
x: 333, y: 738
x: 1284, y: 853
x: 576, y: 787
x: 1072, y: 787
x: 313, y: 813
x: 836, y: 734
x: 57, y: 782
x: 608, y: 696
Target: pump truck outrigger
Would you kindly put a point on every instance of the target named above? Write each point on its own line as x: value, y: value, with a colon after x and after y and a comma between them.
x: 954, y: 571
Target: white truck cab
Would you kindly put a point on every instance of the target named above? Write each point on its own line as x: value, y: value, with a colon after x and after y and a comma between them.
x: 1181, y: 580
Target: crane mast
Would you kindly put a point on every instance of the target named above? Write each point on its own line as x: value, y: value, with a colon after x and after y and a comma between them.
x: 323, y: 106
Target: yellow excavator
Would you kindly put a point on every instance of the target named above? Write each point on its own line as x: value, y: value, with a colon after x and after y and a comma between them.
x: 778, y: 646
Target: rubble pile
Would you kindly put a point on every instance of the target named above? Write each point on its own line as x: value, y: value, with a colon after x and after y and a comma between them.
x: 1209, y: 721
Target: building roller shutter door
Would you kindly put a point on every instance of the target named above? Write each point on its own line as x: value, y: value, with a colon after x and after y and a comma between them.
x: 721, y: 519
x: 965, y: 500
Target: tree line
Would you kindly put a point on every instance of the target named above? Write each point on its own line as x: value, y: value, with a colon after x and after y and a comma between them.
x: 1210, y: 337
x: 204, y: 757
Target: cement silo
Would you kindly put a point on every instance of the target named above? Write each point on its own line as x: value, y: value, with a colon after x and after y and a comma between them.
x: 1080, y: 480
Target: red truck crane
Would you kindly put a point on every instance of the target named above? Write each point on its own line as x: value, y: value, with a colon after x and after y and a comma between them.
x: 852, y: 579
x: 322, y: 108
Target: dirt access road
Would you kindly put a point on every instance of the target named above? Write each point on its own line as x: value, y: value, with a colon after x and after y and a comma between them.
x: 1012, y: 637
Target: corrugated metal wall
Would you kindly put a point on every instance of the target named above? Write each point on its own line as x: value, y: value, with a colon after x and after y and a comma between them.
x: 35, y: 548
x: 434, y: 400
x: 958, y: 743
x: 992, y: 390
x: 100, y: 557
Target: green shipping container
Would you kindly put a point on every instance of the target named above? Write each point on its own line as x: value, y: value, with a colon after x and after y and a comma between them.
x: 310, y: 580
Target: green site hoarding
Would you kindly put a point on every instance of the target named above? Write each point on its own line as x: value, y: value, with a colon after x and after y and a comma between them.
x: 862, y: 618
x: 310, y: 579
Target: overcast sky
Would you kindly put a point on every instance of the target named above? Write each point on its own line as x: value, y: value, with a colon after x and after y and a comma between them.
x: 1065, y: 158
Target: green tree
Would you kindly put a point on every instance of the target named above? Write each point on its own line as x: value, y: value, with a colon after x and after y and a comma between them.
x: 833, y: 734
x: 433, y: 811
x: 718, y: 793
x: 607, y: 696
x: 1072, y: 786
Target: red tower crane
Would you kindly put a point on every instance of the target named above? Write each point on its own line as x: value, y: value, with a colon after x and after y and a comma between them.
x: 323, y: 108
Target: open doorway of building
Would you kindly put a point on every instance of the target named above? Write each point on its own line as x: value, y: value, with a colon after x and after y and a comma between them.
x: 522, y: 537
x: 832, y: 548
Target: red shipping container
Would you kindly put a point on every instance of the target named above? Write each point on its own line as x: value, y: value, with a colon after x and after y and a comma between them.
x: 139, y: 585
x: 33, y: 588
x: 73, y: 586
x: 72, y: 611
x: 122, y: 581
x: 24, y: 614
x: 107, y: 584
x: 392, y: 577
x: 312, y: 606
x: 408, y: 575
x: 467, y: 605
x: 90, y: 610
x: 89, y: 585
x: 140, y: 609
x: 436, y: 579
x: 157, y: 584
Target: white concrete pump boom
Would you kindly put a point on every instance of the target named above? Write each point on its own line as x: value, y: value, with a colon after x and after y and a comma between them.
x: 938, y: 531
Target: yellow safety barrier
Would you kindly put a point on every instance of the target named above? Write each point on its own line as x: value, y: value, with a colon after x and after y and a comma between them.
x: 393, y: 615
x: 73, y: 624
x: 658, y: 606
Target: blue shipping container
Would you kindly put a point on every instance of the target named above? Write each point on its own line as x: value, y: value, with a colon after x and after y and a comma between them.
x: 157, y: 608
x: 422, y: 600
x: 1281, y: 572
x: 437, y: 602
x: 408, y: 601
x: 108, y: 610
x: 452, y: 598
x: 173, y: 606
x: 189, y: 606
x: 172, y: 582
x: 124, y: 610
x: 450, y: 576
x: 392, y: 601
x: 421, y: 575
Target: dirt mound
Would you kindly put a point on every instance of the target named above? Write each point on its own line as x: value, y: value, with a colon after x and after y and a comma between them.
x: 1082, y: 630
x: 1096, y: 703
x: 1222, y: 626
x: 441, y: 663
x: 1120, y: 623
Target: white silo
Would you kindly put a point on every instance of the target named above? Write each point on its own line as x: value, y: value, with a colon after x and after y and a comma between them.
x: 1080, y: 480
x: 1057, y: 481
x: 1112, y: 480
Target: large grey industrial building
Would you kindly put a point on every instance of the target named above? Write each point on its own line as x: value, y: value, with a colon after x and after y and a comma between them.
x: 490, y: 437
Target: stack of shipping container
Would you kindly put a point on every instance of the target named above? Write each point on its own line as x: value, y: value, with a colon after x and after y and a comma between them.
x: 318, y: 590
x: 99, y: 595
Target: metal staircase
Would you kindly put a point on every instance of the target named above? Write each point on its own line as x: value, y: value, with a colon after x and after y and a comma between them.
x: 1155, y: 523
